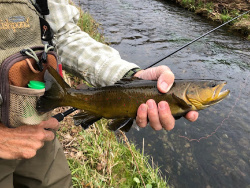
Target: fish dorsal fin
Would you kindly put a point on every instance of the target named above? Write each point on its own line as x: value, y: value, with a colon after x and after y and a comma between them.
x: 182, y: 103
x: 128, y: 80
x: 85, y: 119
x: 121, y: 124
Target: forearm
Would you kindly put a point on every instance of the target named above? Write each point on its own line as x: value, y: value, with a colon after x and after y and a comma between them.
x: 97, y: 63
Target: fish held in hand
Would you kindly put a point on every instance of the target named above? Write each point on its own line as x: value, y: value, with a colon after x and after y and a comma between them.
x: 121, y: 100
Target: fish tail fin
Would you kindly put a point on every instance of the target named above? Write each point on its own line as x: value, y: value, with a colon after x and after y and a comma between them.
x: 55, y: 91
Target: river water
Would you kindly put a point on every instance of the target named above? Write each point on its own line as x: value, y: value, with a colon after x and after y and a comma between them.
x: 214, y: 151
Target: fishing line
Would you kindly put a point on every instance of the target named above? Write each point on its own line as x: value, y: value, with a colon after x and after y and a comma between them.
x: 184, y: 46
x: 223, y: 121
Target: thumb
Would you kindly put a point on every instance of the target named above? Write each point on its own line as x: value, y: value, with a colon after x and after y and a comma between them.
x: 165, y: 81
x: 163, y: 75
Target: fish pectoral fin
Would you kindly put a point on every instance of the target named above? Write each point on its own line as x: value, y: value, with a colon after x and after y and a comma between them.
x: 85, y: 119
x: 121, y: 124
x: 182, y: 103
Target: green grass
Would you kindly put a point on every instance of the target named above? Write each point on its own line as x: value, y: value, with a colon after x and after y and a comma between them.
x: 96, y: 156
x: 190, y: 4
x: 99, y: 158
x: 225, y: 17
x: 209, y: 6
x: 88, y: 24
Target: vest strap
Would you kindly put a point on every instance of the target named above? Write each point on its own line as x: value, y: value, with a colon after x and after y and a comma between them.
x: 41, y: 6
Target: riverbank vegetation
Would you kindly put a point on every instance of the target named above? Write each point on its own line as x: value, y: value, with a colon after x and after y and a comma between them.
x: 222, y: 11
x: 98, y: 157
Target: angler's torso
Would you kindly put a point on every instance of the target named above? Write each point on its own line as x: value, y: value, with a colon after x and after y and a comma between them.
x: 19, y: 27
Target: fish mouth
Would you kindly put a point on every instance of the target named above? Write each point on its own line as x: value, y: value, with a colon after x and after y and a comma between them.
x: 218, y: 94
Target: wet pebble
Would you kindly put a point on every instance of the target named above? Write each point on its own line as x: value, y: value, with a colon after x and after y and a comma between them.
x: 187, y: 145
x: 225, y: 136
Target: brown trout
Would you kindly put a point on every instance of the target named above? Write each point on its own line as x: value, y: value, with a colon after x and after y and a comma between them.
x: 121, y: 100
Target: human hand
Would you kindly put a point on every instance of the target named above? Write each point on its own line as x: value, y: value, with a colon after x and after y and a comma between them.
x: 24, y: 141
x: 159, y: 116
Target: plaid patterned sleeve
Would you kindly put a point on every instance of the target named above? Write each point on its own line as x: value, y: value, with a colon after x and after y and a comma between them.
x: 81, y: 55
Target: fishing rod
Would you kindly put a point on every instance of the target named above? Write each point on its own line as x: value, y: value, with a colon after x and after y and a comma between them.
x: 61, y: 116
x: 184, y: 46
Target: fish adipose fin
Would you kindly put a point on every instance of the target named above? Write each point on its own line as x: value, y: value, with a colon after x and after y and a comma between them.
x: 55, y: 90
x: 121, y: 124
x: 85, y: 119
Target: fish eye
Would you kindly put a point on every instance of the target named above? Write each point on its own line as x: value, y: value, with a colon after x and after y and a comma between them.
x: 212, y: 84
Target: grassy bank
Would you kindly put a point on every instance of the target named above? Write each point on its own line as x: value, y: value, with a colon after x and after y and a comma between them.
x: 98, y: 159
x: 96, y: 156
x: 222, y: 11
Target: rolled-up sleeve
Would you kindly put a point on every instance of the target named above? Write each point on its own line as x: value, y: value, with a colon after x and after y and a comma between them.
x: 97, y: 63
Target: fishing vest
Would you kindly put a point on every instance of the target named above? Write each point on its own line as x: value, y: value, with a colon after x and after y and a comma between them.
x: 23, y: 57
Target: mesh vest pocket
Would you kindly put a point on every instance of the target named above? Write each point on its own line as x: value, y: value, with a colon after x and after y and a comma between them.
x: 23, y: 106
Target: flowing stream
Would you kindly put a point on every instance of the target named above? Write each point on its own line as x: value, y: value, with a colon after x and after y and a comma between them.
x: 214, y: 151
